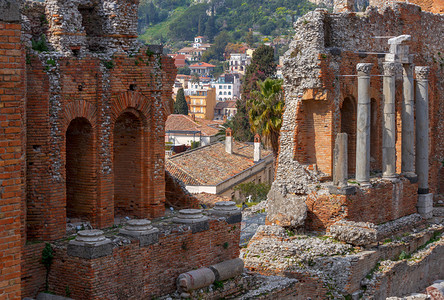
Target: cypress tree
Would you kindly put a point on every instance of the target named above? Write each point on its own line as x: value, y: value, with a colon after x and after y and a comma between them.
x: 181, y: 106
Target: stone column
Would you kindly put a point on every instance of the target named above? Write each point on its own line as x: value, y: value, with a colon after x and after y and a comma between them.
x: 425, y: 199
x: 340, y: 163
x: 422, y: 129
x: 363, y: 124
x: 389, y: 123
x: 408, y: 124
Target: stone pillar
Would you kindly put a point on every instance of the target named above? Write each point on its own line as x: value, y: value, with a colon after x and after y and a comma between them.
x: 408, y: 124
x: 425, y: 199
x: 229, y: 141
x: 340, y: 163
x: 389, y: 123
x: 363, y: 124
x: 422, y: 129
x: 257, y: 148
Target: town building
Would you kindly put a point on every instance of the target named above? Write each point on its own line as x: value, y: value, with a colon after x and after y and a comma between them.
x: 185, y: 130
x: 219, y: 167
x: 238, y: 62
x: 225, y: 110
x: 202, y: 103
x: 202, y: 68
x: 227, y: 87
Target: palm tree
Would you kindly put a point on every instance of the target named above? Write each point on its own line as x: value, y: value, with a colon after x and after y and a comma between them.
x: 266, y: 107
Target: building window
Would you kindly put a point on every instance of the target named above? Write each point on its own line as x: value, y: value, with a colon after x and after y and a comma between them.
x: 229, y: 93
x: 220, y: 93
x: 225, y: 93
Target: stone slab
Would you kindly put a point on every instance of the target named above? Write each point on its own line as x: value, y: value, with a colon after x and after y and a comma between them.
x: 286, y: 209
x: 234, y: 218
x: 200, y: 226
x: 346, y: 190
x: 90, y: 251
x: 145, y: 238
x: 425, y: 205
x: 46, y: 296
x: 10, y: 10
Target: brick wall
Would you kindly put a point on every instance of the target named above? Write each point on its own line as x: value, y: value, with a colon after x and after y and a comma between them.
x: 123, y: 104
x: 131, y: 271
x: 12, y: 143
x: 320, y: 96
x: 384, y: 202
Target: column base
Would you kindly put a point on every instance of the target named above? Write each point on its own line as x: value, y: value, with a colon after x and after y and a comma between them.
x: 425, y: 205
x: 364, y: 184
x: 412, y: 177
x: 391, y: 177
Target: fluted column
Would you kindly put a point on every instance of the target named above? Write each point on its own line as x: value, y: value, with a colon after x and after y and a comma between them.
x: 363, y: 124
x: 408, y: 124
x: 389, y: 123
x: 422, y: 129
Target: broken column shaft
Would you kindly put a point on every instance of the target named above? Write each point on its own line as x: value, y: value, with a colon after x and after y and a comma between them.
x: 389, y: 124
x: 408, y: 124
x: 422, y: 129
x: 340, y: 163
x: 363, y: 124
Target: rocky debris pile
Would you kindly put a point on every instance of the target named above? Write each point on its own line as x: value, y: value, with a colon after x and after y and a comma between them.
x: 273, y: 247
x: 365, y: 233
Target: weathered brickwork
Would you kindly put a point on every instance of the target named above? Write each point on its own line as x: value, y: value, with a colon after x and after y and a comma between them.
x: 320, y: 81
x: 383, y: 202
x: 12, y: 143
x: 94, y: 101
x: 131, y: 271
x: 326, y: 102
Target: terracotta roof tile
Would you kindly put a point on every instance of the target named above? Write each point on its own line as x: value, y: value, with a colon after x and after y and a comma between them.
x: 211, y: 165
x: 182, y: 122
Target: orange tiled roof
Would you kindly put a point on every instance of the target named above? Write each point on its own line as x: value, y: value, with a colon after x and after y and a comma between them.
x: 211, y: 165
x: 202, y: 65
x: 183, y: 122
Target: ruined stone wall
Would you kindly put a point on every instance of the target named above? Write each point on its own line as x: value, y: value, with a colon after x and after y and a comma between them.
x: 326, y: 45
x: 97, y: 104
x: 385, y: 202
x: 133, y: 271
x: 434, y: 6
x: 12, y: 143
x: 101, y: 93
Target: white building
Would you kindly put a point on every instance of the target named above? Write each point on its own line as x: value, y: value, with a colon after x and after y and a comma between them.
x: 239, y: 62
x: 227, y: 87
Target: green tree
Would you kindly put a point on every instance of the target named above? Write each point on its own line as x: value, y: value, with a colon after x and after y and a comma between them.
x: 210, y: 29
x: 181, y: 106
x: 262, y: 66
x: 217, y: 51
x: 266, y: 107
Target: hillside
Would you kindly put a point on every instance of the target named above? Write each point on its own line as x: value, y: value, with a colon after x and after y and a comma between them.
x: 172, y: 21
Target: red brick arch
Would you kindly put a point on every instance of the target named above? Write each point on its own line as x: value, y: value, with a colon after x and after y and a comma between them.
x: 79, y: 109
x: 134, y: 100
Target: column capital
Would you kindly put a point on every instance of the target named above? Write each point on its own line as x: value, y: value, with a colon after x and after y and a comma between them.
x: 364, y: 69
x: 390, y: 68
x: 422, y: 73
